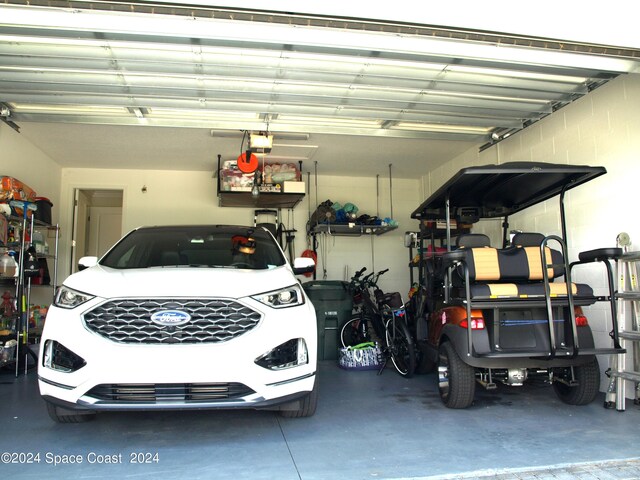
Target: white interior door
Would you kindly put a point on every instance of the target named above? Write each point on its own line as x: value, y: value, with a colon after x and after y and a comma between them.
x: 105, y: 229
x: 97, y: 223
x: 78, y: 242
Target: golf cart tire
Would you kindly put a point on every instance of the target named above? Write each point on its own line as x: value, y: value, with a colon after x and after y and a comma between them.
x: 588, y: 385
x: 461, y: 380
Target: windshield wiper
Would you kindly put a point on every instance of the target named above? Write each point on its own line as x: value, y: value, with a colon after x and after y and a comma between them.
x: 204, y: 265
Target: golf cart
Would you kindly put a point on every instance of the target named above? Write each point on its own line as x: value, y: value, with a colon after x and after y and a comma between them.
x: 486, y: 314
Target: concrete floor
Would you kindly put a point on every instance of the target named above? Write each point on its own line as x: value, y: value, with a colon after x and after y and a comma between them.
x: 366, y: 427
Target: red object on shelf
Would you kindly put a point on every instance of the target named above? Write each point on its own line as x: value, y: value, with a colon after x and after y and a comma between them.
x: 247, y: 164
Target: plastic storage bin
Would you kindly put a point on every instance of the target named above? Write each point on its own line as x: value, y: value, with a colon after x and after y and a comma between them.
x: 43, y: 213
x: 333, y: 304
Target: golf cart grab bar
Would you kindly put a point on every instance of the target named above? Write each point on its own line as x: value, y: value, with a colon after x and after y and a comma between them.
x: 547, y: 296
x: 451, y: 258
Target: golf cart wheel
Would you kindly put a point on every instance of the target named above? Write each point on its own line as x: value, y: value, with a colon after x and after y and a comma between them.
x: 584, y: 392
x: 456, y: 379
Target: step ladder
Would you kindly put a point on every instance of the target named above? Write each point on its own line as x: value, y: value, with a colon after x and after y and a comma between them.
x: 628, y: 308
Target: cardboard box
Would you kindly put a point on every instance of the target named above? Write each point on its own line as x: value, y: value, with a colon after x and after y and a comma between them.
x: 294, y: 187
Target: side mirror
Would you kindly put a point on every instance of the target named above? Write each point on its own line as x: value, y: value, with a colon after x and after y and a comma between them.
x: 303, y: 265
x: 86, y: 262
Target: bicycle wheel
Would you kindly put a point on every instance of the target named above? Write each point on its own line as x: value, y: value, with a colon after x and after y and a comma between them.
x: 355, y: 331
x: 400, y: 346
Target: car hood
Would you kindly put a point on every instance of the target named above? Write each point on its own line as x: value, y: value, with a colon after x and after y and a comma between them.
x: 179, y: 281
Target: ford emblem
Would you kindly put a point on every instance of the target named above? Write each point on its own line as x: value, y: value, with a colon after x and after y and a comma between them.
x: 170, y: 318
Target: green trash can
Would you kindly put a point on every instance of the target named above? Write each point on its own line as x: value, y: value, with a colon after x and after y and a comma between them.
x: 333, y: 304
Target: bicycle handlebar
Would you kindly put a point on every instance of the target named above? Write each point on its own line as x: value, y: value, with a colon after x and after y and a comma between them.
x: 369, y: 280
x: 359, y: 272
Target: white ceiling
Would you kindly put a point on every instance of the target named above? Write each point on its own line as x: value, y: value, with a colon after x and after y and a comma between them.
x: 144, y: 85
x: 166, y: 148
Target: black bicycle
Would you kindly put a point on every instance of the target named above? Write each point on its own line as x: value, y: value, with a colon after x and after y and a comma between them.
x: 379, y: 317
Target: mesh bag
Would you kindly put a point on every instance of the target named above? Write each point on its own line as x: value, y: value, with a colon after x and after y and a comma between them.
x: 366, y: 356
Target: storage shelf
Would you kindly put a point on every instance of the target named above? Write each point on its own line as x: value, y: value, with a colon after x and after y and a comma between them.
x: 268, y: 198
x: 352, y: 229
x: 264, y: 200
x: 36, y: 223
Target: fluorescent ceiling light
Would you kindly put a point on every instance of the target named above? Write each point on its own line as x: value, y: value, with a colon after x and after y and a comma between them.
x: 277, y: 135
x: 203, y: 114
x: 68, y: 109
x: 433, y: 127
x: 496, y: 72
x: 336, y: 121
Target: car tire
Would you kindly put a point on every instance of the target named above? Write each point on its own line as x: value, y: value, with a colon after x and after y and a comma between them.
x: 61, y: 415
x: 306, y: 406
x: 588, y: 378
x: 456, y: 379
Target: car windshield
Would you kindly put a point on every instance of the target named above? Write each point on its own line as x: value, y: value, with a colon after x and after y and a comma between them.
x: 195, y: 246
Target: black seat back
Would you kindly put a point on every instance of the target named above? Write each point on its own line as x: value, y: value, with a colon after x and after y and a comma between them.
x: 527, y: 239
x: 473, y: 240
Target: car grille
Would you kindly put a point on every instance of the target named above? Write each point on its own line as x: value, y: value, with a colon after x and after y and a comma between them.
x: 212, y: 321
x: 171, y: 392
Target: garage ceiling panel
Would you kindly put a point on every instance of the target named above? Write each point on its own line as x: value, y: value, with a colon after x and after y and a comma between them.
x: 121, y: 63
x: 333, y: 77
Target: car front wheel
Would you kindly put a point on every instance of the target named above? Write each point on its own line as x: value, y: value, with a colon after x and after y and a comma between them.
x: 306, y: 406
x: 61, y: 415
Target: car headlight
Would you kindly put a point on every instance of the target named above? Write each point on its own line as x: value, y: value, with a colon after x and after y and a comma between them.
x: 69, y: 298
x: 286, y: 297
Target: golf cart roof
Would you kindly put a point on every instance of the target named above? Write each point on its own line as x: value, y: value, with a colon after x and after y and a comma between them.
x: 500, y: 190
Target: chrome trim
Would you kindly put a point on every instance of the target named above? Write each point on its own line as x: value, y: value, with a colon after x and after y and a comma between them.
x: 56, y: 384
x: 291, y: 380
x: 213, y: 320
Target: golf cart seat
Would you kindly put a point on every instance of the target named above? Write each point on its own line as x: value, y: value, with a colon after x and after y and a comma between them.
x: 512, y: 273
x: 471, y: 240
x: 527, y: 239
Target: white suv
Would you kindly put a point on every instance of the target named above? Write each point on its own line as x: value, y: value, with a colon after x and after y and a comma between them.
x: 181, y: 317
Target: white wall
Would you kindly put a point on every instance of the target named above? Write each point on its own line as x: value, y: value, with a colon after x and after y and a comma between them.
x: 371, y: 196
x: 22, y: 160
x: 190, y: 197
x: 602, y: 128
